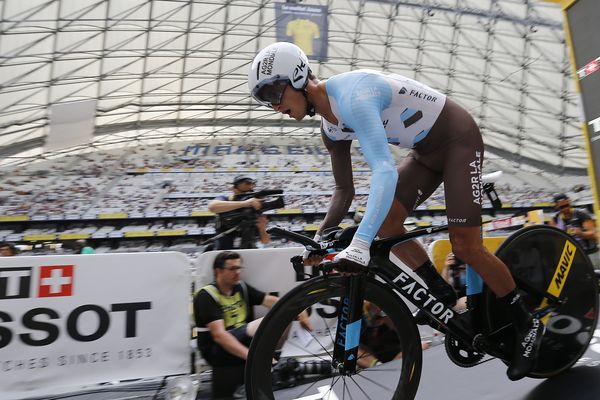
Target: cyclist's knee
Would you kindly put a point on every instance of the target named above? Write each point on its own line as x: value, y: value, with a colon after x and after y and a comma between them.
x: 465, y: 247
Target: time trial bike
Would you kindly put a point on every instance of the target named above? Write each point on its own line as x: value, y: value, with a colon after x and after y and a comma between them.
x: 360, y: 317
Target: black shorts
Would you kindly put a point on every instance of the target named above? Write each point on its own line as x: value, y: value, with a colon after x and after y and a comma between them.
x: 451, y: 153
x: 217, y: 356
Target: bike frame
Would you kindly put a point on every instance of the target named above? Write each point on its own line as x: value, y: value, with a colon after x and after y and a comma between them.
x: 348, y: 330
x: 466, y: 326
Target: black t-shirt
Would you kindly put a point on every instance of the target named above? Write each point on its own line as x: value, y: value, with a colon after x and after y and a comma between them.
x: 576, y: 221
x: 235, y: 310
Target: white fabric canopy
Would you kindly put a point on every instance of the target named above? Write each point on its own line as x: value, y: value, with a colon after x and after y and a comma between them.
x: 175, y: 69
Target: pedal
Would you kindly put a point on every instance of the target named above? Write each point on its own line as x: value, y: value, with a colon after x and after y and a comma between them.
x: 482, y: 345
x: 460, y: 354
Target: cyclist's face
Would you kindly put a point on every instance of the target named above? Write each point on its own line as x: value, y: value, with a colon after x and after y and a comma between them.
x: 293, y: 103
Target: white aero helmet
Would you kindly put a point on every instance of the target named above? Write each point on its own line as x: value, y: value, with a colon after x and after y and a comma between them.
x: 273, y: 68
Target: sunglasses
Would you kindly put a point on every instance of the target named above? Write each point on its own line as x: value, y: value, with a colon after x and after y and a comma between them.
x: 562, y: 207
x: 270, y: 93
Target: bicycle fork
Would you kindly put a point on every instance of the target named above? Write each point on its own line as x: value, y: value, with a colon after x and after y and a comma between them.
x: 347, y: 335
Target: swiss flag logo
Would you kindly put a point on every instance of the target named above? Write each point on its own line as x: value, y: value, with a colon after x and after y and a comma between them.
x: 56, y: 281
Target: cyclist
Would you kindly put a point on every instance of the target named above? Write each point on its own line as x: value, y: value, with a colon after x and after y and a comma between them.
x: 446, y: 144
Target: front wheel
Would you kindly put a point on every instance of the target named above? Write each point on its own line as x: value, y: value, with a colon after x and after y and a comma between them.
x: 542, y: 260
x: 288, y: 362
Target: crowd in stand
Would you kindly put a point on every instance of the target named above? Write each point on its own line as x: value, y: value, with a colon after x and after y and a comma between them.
x: 180, y: 179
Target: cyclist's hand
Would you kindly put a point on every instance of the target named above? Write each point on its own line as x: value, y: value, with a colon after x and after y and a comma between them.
x: 304, y: 320
x: 254, y: 203
x: 352, y: 259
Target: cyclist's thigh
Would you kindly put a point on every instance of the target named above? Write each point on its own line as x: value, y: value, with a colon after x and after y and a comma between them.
x: 462, y: 178
x: 416, y: 182
x: 454, y: 148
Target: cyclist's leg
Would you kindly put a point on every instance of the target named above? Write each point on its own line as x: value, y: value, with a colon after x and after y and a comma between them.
x: 410, y: 253
x: 468, y: 246
x: 536, y: 255
x: 461, y: 163
x: 416, y: 183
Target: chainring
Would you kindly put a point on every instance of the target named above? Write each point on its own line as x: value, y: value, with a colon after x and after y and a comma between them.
x: 460, y: 355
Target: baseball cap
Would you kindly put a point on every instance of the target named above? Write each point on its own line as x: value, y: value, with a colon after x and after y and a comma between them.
x: 243, y: 178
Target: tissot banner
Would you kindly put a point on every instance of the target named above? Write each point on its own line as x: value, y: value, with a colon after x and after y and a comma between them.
x: 305, y: 26
x: 70, y: 321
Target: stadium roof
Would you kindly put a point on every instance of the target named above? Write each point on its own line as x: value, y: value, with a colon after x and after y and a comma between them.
x: 160, y: 70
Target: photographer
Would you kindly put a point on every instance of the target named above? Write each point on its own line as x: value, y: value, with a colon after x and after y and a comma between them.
x: 577, y: 223
x: 248, y: 225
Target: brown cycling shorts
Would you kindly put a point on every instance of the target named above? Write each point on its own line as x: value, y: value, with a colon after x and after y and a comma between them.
x: 451, y: 153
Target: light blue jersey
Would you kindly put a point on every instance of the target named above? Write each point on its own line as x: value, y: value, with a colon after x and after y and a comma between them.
x: 378, y: 109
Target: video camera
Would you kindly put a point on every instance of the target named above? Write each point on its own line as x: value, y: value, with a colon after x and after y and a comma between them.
x: 247, y: 215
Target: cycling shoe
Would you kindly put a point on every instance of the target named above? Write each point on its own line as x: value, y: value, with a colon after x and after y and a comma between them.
x: 528, y: 343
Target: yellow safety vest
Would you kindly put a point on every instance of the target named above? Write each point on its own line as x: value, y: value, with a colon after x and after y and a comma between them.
x: 235, y: 309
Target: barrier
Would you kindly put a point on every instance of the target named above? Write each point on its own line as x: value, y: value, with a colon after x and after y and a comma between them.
x: 269, y: 270
x: 76, y: 320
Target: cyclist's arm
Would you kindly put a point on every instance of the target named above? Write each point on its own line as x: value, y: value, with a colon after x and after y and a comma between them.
x: 363, y: 112
x: 341, y: 165
x: 226, y: 340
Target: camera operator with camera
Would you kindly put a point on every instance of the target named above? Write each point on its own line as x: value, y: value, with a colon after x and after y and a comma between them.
x: 239, y: 219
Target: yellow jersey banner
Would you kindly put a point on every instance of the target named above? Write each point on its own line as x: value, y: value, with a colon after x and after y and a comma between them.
x: 305, y: 26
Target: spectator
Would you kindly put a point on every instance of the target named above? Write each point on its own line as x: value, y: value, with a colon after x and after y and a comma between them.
x: 224, y: 315
x: 83, y: 247
x: 7, y: 250
x: 577, y: 223
x: 239, y: 229
x: 79, y: 246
